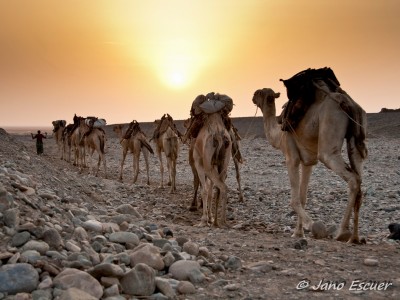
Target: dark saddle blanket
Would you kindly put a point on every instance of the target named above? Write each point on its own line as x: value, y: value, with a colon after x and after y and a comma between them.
x: 301, y: 94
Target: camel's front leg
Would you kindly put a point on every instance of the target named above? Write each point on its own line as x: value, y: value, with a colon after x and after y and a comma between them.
x: 304, y: 180
x: 135, y: 166
x: 121, y: 169
x: 294, y: 177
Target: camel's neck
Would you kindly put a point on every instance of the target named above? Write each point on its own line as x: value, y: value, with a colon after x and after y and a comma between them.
x: 272, y: 129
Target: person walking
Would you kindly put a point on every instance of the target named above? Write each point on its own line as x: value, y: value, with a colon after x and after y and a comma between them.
x: 39, y: 141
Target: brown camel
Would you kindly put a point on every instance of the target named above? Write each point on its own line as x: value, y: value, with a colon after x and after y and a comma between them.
x: 66, y: 142
x: 166, y: 139
x: 135, y: 143
x: 94, y: 140
x: 237, y: 159
x: 77, y: 143
x: 211, y: 155
x: 58, y: 128
x: 319, y: 136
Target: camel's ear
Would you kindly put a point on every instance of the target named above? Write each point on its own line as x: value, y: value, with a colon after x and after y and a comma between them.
x: 277, y: 95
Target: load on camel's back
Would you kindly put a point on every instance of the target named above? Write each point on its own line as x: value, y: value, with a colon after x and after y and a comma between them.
x: 300, y: 92
x: 203, y: 106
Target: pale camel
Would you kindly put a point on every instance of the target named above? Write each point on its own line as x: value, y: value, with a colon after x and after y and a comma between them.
x: 211, y: 155
x: 135, y: 143
x: 94, y: 140
x: 167, y: 140
x: 237, y: 159
x: 320, y: 136
x: 58, y: 128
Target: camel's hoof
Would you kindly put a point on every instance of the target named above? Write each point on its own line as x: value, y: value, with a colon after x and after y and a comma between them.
x: 192, y: 208
x: 357, y: 240
x: 222, y: 225
x: 298, y: 234
x: 201, y: 224
x: 344, y: 236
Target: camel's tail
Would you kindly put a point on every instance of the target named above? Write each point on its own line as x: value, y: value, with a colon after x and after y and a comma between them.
x: 172, y: 150
x: 101, y: 141
x: 236, y: 154
x: 357, y: 130
x: 145, y: 144
x: 220, y: 142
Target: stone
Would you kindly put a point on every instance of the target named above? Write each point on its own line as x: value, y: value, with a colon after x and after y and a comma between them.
x: 191, y: 248
x: 186, y: 287
x: 106, y: 269
x: 140, y: 281
x: 75, y: 293
x: 149, y: 255
x: 187, y: 270
x: 39, y: 246
x: 20, y: 238
x: 11, y: 217
x: 74, y: 278
x: 53, y: 238
x: 164, y: 287
x: 318, y: 230
x: 71, y: 246
x: 93, y: 225
x: 124, y: 238
x: 128, y: 209
x: 233, y: 263
x: 371, y: 262
x: 80, y: 234
x: 28, y: 278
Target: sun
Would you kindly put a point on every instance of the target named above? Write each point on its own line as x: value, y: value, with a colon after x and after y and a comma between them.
x: 176, y: 79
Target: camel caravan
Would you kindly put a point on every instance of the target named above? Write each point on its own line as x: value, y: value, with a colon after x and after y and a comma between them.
x: 85, y: 135
x: 318, y: 117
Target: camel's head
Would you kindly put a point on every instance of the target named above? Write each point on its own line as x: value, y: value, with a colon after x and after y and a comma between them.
x: 118, y: 128
x: 265, y: 95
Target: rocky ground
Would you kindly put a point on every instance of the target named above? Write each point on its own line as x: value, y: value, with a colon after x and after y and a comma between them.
x: 65, y: 235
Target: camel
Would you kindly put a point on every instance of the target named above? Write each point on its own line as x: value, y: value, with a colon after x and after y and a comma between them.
x: 58, y: 128
x: 94, y: 140
x: 166, y: 139
x: 237, y: 159
x: 76, y: 142
x: 136, y: 143
x: 66, y: 142
x: 319, y: 136
x: 211, y: 155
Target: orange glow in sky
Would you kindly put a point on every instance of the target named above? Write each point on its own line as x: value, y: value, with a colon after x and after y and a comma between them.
x: 123, y: 60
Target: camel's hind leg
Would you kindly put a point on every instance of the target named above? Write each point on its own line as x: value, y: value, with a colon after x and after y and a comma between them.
x: 136, y: 156
x: 121, y: 169
x: 221, y: 197
x: 161, y: 167
x: 172, y: 174
x: 235, y: 161
x: 336, y: 163
x: 146, y: 160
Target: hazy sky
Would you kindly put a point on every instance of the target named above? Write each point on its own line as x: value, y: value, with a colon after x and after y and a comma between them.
x: 124, y: 60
